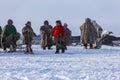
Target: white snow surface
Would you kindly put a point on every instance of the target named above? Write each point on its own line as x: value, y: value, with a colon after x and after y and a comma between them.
x: 75, y: 64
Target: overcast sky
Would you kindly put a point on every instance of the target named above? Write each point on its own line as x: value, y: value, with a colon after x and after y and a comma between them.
x: 73, y: 12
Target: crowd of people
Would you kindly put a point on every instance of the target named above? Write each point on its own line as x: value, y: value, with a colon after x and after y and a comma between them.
x: 58, y: 35
x: 9, y: 36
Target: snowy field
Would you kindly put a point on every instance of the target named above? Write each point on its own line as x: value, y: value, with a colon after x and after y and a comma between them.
x: 75, y: 64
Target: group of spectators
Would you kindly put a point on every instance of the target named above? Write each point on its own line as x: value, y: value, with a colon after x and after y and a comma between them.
x: 58, y: 35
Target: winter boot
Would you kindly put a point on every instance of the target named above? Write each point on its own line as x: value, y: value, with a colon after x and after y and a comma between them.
x: 57, y: 51
x: 63, y: 50
x: 91, y: 46
x: 31, y: 51
x: 65, y: 47
x: 44, y: 48
x: 49, y: 48
x: 5, y: 50
x: 85, y: 46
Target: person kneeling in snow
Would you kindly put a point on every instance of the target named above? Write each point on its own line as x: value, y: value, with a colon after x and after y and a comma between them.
x: 28, y: 34
x: 58, y: 36
x: 9, y: 36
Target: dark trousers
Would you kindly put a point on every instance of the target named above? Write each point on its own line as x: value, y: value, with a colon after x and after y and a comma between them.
x: 60, y: 45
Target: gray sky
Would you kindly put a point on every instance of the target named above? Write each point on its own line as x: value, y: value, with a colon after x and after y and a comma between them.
x: 73, y: 12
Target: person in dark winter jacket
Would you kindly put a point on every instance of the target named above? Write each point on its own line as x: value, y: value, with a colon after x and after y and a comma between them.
x: 58, y: 34
x: 9, y: 36
x: 46, y: 38
x: 28, y: 34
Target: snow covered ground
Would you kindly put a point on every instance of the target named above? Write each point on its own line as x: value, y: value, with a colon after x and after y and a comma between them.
x: 75, y: 64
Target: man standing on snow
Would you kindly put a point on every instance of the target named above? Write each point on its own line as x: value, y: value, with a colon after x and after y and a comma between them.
x: 46, y: 38
x: 58, y: 34
x: 88, y: 34
x: 67, y: 37
x: 28, y: 34
x: 9, y: 36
